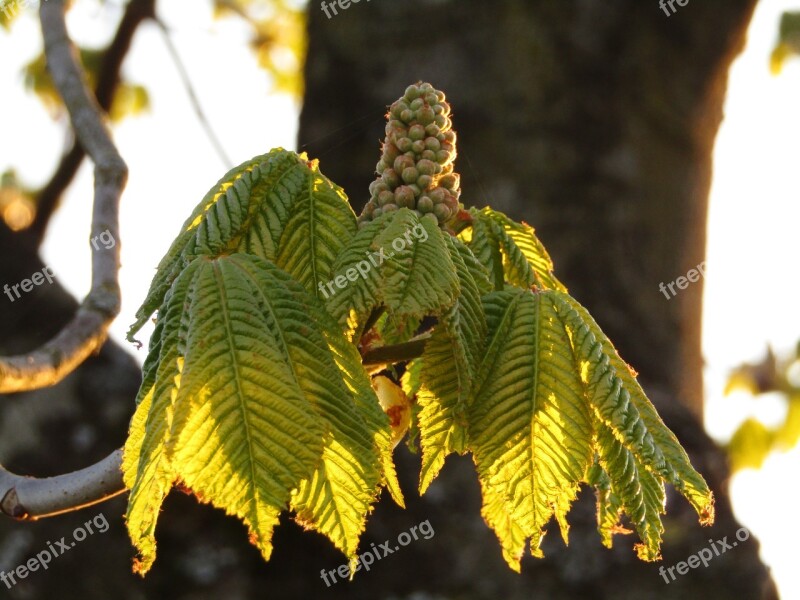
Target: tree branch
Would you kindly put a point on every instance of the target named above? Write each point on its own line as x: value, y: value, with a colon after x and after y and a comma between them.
x: 108, y: 78
x: 29, y: 499
x: 86, y: 332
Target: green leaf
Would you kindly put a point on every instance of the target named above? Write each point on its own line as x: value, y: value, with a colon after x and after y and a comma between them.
x: 529, y: 424
x: 676, y: 468
x: 277, y: 206
x: 609, y: 507
x: 511, y: 251
x: 147, y: 471
x: 554, y: 405
x: 258, y: 399
x: 449, y: 363
x: 406, y: 267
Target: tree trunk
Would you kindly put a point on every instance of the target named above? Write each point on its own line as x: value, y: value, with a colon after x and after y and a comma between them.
x: 594, y: 122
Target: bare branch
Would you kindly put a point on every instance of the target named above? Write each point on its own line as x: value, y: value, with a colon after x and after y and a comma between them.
x: 29, y: 499
x: 108, y: 78
x: 86, y: 332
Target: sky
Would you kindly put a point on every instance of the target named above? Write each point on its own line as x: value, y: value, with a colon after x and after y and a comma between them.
x: 750, y: 294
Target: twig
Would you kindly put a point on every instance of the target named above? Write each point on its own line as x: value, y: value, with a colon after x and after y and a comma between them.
x: 386, y: 355
x: 187, y: 83
x: 87, y: 330
x: 29, y: 499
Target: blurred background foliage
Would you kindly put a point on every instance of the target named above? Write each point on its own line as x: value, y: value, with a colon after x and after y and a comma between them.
x: 130, y: 98
x: 788, y: 44
x: 754, y: 441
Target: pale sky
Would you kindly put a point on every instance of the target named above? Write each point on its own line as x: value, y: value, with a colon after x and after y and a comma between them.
x: 751, y: 283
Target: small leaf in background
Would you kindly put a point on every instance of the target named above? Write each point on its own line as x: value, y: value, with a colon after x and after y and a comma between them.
x: 753, y: 441
x: 129, y: 100
x: 788, y: 44
x: 750, y: 445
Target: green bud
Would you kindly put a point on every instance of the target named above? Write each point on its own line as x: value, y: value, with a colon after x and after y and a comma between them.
x: 403, y: 162
x: 376, y: 187
x: 378, y: 212
x: 428, y: 155
x: 407, y: 115
x: 416, y: 132
x: 425, y: 115
x: 450, y: 181
x: 431, y: 98
x: 425, y: 205
x: 391, y: 178
x: 418, y: 147
x: 437, y: 195
x: 426, y: 167
x: 424, y: 181
x: 440, y: 120
x: 417, y: 104
x: 443, y: 157
x: 442, y: 212
x: 393, y: 125
x: 381, y: 166
x: 403, y: 144
x: 412, y: 93
x: 385, y: 198
x: 416, y: 189
x: 395, y: 110
x: 390, y: 152
x: 432, y: 130
x: 410, y: 174
x: 404, y: 197
x: 389, y: 208
x: 426, y: 87
x: 431, y: 143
